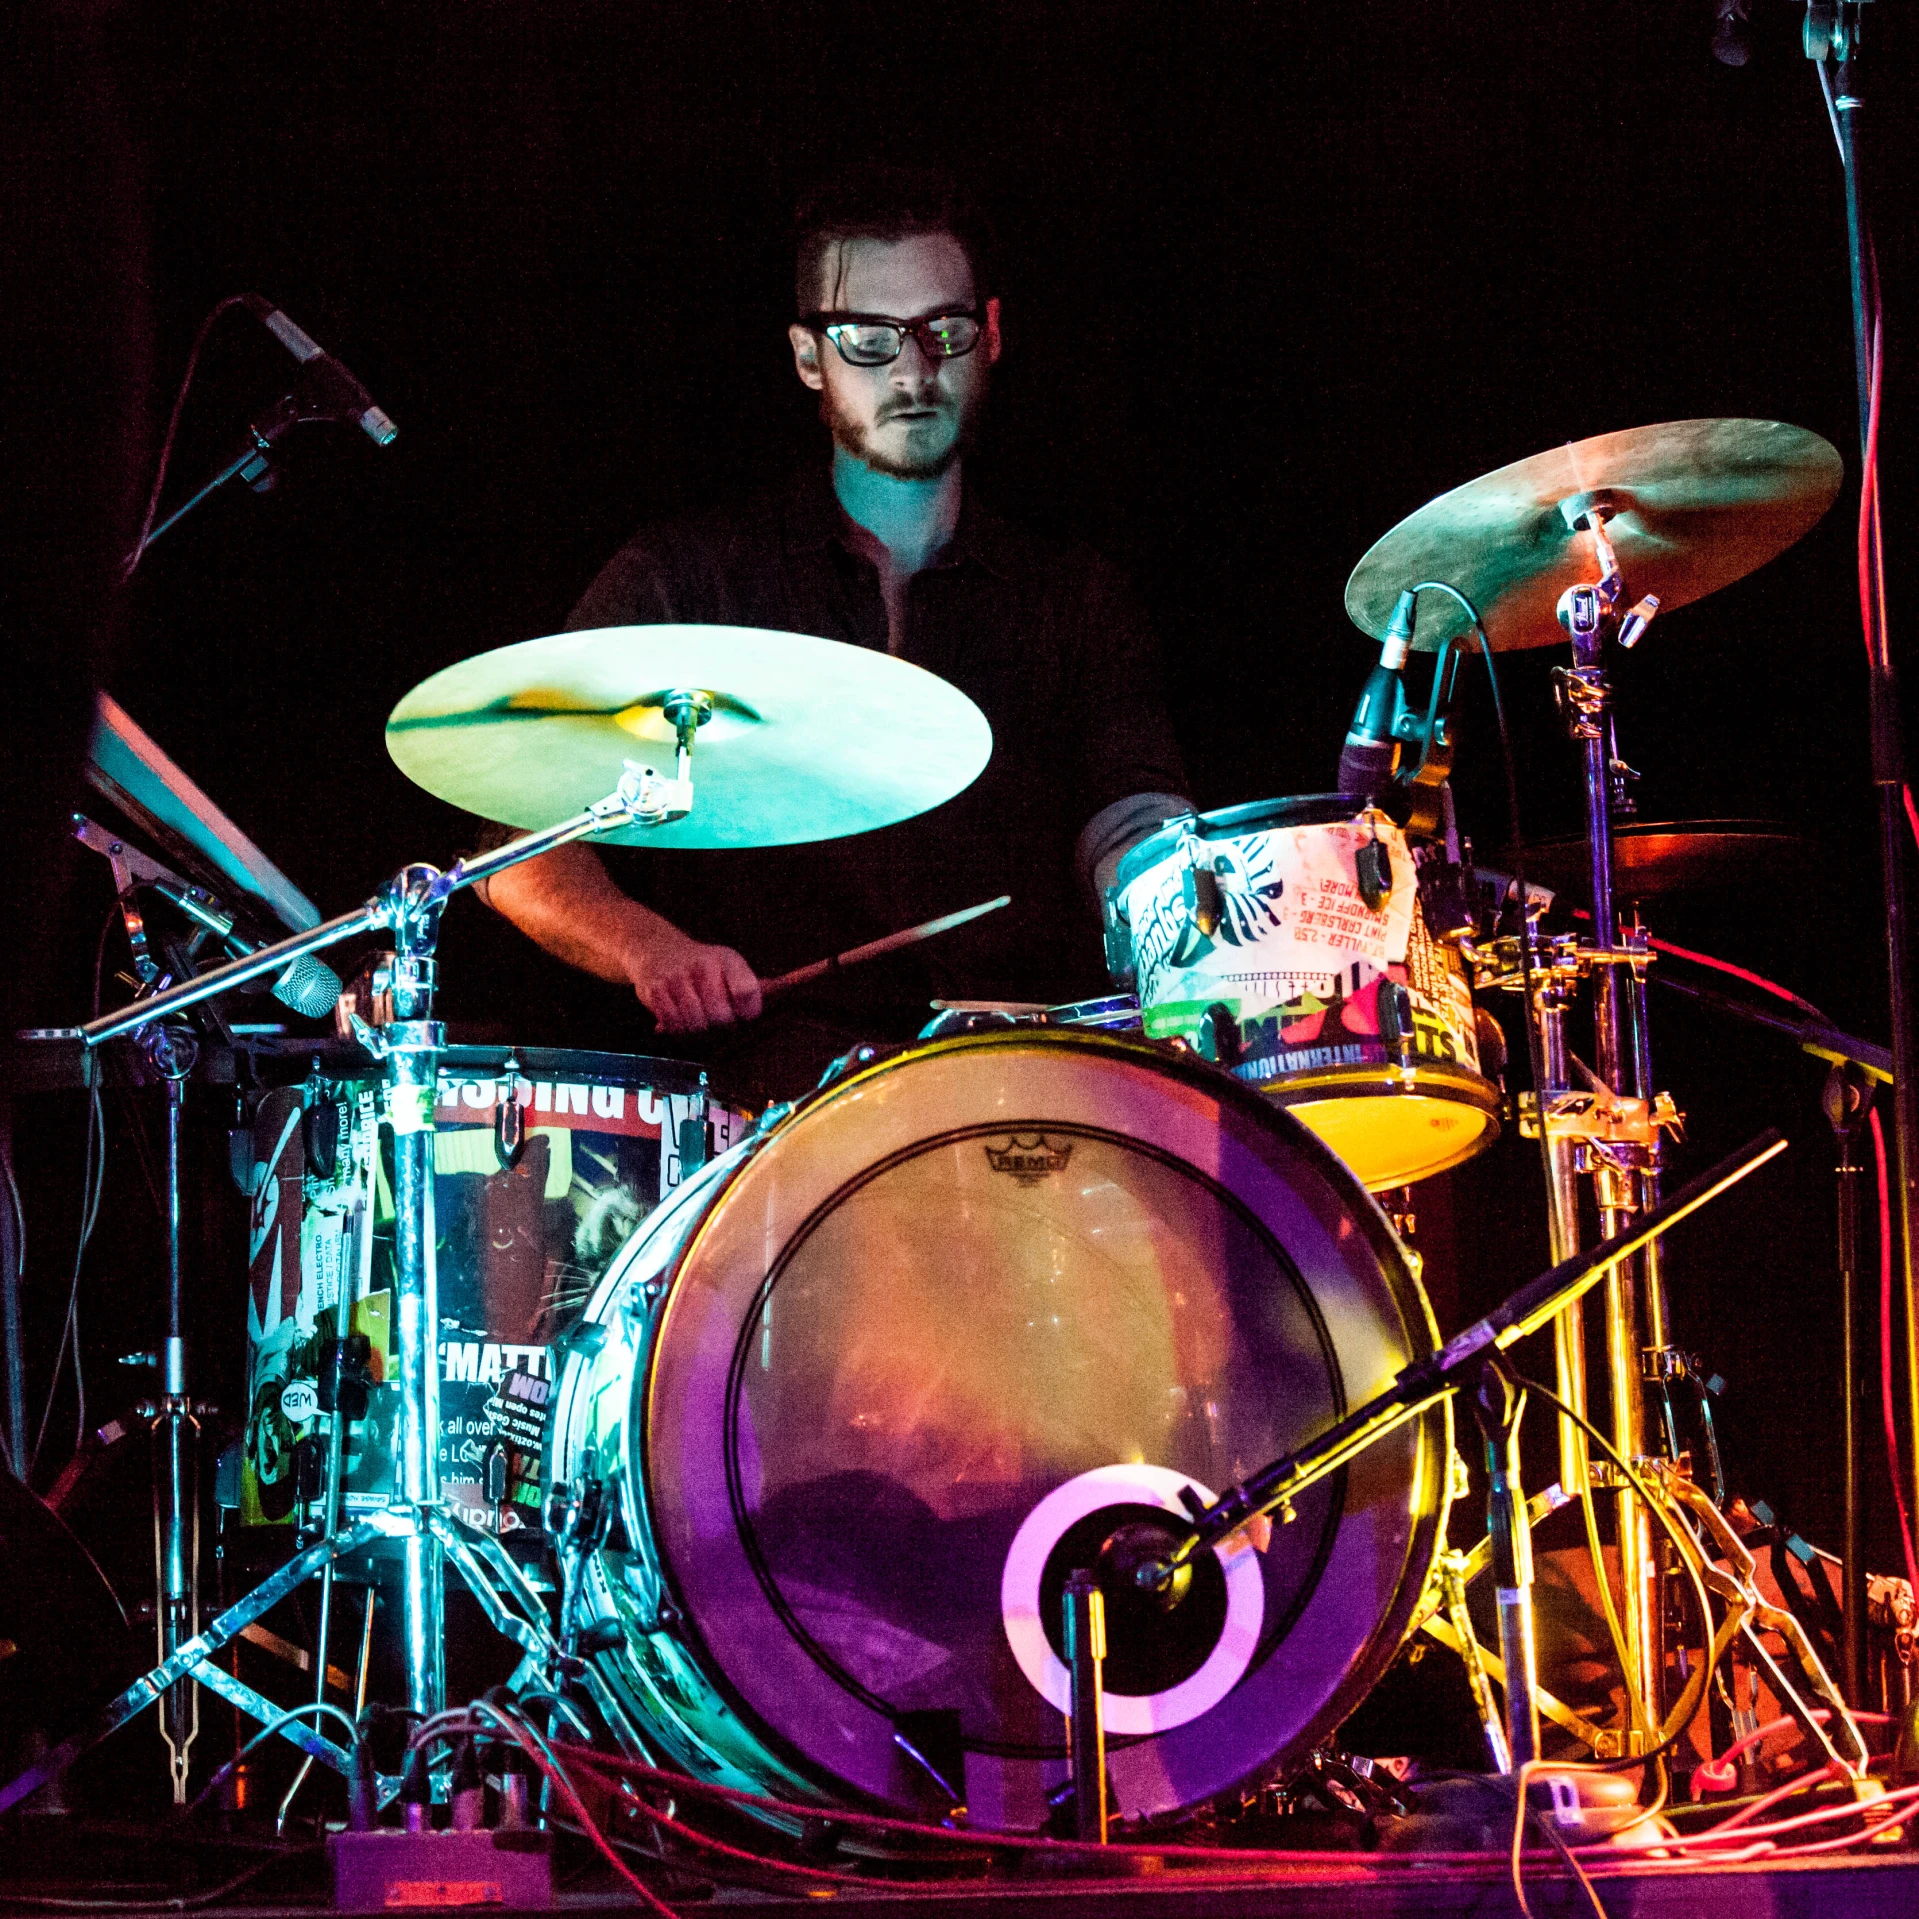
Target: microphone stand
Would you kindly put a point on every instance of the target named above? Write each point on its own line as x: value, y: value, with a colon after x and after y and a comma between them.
x: 1856, y: 1068
x: 1832, y: 39
x: 253, y: 463
x: 1468, y: 1363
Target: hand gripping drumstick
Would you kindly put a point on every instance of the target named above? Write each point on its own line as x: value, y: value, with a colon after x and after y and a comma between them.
x: 855, y: 955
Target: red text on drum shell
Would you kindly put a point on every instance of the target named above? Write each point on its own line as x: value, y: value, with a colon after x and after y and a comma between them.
x: 635, y: 1111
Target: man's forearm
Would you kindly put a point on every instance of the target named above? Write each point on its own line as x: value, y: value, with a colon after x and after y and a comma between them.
x: 566, y: 901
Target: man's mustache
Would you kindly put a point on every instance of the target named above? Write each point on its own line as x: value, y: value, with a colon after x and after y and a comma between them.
x: 892, y: 409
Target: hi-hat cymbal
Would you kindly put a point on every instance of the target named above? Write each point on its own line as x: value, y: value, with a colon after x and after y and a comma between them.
x: 1696, y: 504
x: 1655, y: 859
x: 810, y: 739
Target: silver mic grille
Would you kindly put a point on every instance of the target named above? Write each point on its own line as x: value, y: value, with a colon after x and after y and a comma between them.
x: 309, y: 986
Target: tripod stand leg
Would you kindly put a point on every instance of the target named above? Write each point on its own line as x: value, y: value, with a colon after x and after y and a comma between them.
x: 1497, y: 1409
x: 330, y: 1521
x: 1452, y: 1576
x: 194, y: 1658
x: 257, y: 1706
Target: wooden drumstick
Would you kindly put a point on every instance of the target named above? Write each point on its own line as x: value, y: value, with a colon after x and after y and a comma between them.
x: 855, y: 955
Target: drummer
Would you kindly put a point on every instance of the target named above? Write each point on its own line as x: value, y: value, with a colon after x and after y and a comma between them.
x: 881, y: 542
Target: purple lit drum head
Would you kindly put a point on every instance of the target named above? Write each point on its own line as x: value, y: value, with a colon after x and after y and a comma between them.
x: 954, y: 1282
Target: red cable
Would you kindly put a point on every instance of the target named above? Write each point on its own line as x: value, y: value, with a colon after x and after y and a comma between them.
x: 1885, y: 1346
x: 1871, y: 559
x: 1872, y: 553
x: 1740, y: 972
x: 648, y: 1897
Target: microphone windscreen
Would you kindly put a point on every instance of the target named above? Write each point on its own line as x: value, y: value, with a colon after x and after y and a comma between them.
x: 1366, y: 768
x: 309, y: 986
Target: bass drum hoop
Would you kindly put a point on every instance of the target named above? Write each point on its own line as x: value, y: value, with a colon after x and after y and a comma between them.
x: 724, y: 1734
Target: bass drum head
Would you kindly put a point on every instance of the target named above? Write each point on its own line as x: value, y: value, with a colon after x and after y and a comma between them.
x: 992, y: 1273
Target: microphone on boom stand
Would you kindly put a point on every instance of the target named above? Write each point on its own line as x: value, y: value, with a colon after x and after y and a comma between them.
x: 1371, y: 753
x: 328, y: 382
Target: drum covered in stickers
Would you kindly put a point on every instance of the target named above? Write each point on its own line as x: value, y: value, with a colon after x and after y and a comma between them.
x: 1339, y: 1005
x: 545, y: 1163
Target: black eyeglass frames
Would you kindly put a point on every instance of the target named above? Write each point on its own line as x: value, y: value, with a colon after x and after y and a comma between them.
x: 876, y: 339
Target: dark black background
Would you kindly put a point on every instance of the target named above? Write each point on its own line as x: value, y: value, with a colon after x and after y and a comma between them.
x: 1275, y: 276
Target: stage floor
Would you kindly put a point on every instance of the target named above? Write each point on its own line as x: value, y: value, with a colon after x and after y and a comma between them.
x: 51, y: 1864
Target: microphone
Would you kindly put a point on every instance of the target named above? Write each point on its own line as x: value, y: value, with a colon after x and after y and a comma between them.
x: 309, y: 986
x: 333, y: 385
x: 1366, y: 763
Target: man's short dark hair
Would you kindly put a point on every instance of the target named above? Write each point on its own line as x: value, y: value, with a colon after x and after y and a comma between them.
x: 887, y: 203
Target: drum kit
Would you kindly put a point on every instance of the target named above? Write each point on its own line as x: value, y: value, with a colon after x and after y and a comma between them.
x: 800, y: 1475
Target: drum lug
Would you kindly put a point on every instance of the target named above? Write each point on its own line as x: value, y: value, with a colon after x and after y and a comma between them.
x: 509, y: 1116
x: 581, y: 1341
x: 1373, y: 872
x: 667, y: 1618
x: 1200, y: 891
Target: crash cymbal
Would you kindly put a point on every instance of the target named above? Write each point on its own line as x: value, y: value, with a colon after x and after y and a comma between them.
x: 1657, y: 859
x: 1696, y: 505
x: 810, y: 739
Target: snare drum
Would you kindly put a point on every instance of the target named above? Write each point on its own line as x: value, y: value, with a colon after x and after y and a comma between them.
x: 865, y: 1391
x: 1342, y: 1007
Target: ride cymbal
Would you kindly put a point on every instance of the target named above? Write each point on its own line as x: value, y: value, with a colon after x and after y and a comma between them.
x: 809, y: 739
x: 1656, y: 859
x: 1695, y: 505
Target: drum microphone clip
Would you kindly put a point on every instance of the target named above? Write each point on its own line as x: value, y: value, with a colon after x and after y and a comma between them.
x: 1389, y: 742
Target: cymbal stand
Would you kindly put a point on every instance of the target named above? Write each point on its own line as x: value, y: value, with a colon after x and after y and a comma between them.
x: 1612, y: 1127
x: 1556, y: 976
x: 428, y: 1538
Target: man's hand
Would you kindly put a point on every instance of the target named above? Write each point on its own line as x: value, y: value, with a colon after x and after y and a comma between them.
x: 687, y: 985
x: 567, y: 902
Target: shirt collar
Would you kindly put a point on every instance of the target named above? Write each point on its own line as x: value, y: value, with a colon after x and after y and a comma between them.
x: 813, y: 519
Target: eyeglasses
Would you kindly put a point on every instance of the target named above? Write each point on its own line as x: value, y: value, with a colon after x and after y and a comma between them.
x: 871, y: 339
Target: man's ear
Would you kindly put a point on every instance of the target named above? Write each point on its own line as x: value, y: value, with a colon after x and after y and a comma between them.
x: 992, y: 333
x: 806, y: 354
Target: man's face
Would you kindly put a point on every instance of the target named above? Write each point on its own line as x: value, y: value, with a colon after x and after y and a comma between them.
x: 912, y: 417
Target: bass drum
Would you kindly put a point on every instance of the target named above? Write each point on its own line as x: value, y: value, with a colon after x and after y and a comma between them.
x: 867, y: 1388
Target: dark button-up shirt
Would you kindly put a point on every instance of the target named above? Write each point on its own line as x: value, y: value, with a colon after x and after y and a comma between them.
x: 1048, y: 641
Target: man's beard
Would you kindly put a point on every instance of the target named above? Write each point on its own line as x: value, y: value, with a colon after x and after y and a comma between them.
x: 851, y: 436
